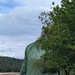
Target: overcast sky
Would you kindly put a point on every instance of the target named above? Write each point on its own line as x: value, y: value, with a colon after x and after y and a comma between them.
x: 19, y: 24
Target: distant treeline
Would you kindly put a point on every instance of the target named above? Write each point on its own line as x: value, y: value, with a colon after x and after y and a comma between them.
x: 8, y: 64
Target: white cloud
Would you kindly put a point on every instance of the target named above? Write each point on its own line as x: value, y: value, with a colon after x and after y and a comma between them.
x: 38, y: 3
x: 20, y: 21
x: 21, y: 26
x: 15, y: 46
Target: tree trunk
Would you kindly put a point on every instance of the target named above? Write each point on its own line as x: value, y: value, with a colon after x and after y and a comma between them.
x: 67, y: 72
x: 58, y: 72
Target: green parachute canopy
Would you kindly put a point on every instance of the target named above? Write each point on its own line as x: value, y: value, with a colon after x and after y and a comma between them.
x: 32, y: 64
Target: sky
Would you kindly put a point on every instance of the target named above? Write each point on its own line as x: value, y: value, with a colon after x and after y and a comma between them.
x: 20, y: 25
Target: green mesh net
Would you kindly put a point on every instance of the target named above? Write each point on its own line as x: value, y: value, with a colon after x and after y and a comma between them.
x: 32, y: 64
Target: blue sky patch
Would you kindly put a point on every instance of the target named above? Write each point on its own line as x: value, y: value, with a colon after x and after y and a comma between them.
x: 8, y: 6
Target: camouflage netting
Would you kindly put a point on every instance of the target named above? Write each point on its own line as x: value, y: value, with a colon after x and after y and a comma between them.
x: 32, y: 64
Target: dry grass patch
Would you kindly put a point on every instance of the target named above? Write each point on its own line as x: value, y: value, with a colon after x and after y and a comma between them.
x: 10, y: 73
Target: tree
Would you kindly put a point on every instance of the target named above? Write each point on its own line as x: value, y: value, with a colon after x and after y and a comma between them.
x: 58, y: 36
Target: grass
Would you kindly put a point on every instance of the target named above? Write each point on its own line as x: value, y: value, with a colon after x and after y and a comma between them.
x: 10, y: 73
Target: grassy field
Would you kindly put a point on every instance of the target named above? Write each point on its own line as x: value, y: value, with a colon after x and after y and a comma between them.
x: 10, y: 73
